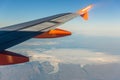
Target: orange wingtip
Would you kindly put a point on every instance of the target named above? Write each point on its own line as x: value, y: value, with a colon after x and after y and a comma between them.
x: 84, y: 12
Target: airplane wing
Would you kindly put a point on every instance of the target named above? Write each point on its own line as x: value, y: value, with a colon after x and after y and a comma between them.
x: 13, y: 35
x: 41, y: 28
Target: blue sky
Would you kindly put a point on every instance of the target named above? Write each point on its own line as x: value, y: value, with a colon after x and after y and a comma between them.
x: 16, y: 11
x: 100, y: 35
x: 104, y: 17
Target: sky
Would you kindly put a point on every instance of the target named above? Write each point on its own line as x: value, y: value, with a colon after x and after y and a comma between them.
x: 104, y: 17
x: 100, y: 35
x: 93, y: 42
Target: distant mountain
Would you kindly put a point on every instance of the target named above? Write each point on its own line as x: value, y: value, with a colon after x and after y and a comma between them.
x: 36, y: 71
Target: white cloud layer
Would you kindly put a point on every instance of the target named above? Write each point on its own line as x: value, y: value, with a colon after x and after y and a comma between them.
x: 76, y: 56
x: 34, y: 43
x: 72, y: 56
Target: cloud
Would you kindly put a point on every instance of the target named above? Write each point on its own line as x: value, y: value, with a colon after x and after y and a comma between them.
x: 76, y: 56
x: 72, y: 56
x: 37, y: 43
x: 36, y: 56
